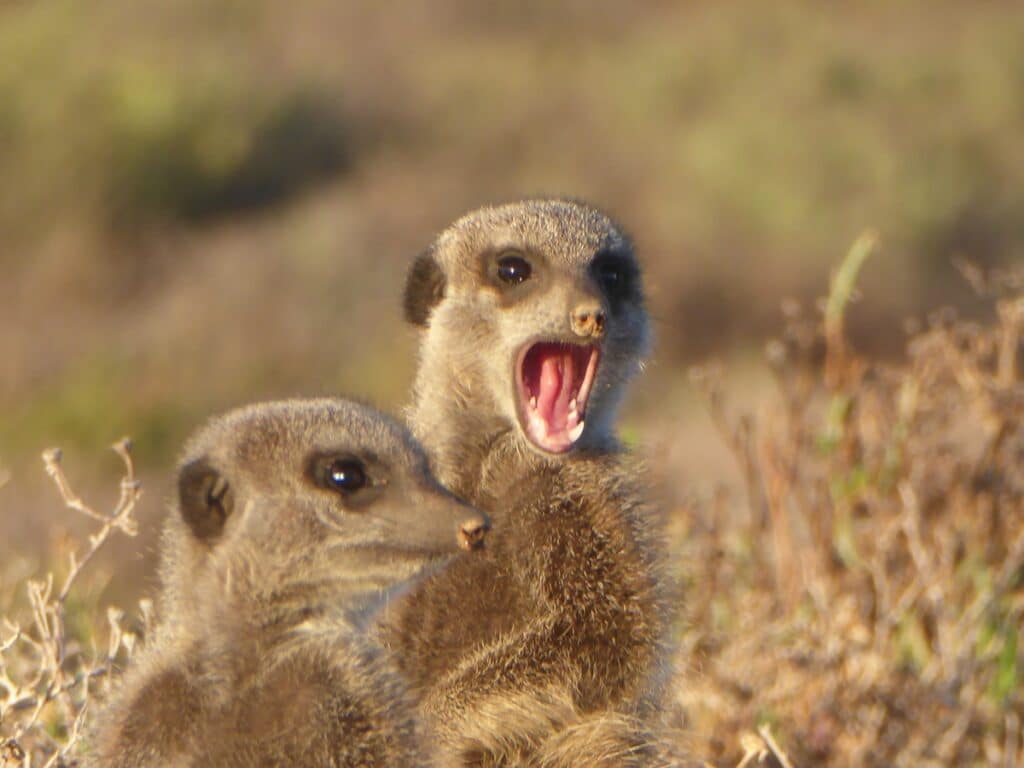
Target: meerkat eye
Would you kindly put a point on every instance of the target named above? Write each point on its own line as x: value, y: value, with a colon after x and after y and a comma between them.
x: 346, y: 475
x: 343, y: 474
x: 513, y: 269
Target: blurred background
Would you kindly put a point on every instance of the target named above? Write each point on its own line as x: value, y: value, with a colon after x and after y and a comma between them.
x: 209, y: 202
x: 206, y: 203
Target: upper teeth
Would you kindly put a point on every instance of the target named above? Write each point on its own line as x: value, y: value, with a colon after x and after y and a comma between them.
x: 533, y: 401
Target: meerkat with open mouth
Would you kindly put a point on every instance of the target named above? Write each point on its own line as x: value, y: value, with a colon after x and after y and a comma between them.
x: 533, y: 321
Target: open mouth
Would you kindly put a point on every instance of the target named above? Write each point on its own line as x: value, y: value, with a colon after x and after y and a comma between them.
x: 554, y: 382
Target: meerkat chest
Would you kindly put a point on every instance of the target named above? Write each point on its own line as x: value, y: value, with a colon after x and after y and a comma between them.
x: 584, y: 574
x: 331, y: 717
x: 572, y: 562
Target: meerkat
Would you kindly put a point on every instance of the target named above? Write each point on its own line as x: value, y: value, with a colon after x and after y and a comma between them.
x: 533, y: 321
x: 292, y: 522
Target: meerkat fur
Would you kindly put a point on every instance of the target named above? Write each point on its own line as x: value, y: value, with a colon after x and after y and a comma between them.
x: 292, y: 522
x: 533, y: 321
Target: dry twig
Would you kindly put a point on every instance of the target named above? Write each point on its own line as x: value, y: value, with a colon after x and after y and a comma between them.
x: 38, y: 669
x: 902, y: 486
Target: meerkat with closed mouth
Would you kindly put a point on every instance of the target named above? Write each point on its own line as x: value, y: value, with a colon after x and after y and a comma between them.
x: 533, y: 322
x: 293, y: 522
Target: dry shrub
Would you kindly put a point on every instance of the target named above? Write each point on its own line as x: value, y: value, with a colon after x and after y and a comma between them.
x: 47, y: 677
x: 866, y: 603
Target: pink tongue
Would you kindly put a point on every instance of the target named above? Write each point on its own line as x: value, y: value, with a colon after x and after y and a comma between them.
x: 556, y: 377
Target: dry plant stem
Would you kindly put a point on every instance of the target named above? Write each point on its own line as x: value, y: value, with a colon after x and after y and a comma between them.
x: 841, y: 291
x: 766, y: 733
x: 738, y: 439
x: 951, y: 738
x: 970, y: 623
x: 1012, y: 741
x: 753, y: 749
x: 51, y: 681
x: 1011, y: 316
x: 73, y: 736
x: 120, y: 518
x: 777, y: 489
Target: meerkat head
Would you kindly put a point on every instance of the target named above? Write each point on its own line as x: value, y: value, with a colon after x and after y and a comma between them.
x: 536, y: 311
x: 323, y: 492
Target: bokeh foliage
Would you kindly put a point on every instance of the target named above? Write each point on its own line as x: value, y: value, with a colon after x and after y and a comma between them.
x: 143, y: 146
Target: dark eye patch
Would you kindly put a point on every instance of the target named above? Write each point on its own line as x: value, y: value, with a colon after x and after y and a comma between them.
x: 617, y: 275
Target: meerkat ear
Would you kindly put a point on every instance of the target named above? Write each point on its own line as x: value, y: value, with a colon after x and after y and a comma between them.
x: 424, y: 288
x: 204, y: 499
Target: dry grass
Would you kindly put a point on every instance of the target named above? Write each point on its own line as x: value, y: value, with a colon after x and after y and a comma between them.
x: 866, y: 601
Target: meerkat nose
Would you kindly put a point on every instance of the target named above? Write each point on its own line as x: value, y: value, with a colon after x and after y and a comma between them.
x: 472, y: 532
x: 588, y: 320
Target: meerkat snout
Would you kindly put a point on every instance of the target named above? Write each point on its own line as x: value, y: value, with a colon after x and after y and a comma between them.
x: 472, y: 532
x: 588, y: 319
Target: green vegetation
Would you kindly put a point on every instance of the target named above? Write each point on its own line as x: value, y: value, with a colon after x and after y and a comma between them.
x: 134, y: 136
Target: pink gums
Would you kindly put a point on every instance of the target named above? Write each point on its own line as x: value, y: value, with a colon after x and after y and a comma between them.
x: 554, y: 385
